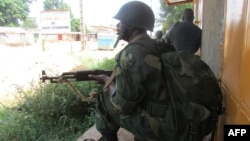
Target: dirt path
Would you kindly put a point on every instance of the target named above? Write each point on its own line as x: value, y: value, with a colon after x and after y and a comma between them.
x: 22, y: 66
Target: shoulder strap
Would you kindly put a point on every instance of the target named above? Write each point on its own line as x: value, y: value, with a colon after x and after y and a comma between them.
x: 112, y: 77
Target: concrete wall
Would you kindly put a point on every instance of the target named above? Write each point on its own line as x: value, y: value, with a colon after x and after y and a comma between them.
x: 213, y: 34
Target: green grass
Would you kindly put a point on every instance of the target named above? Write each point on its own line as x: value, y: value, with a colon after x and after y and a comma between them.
x: 93, y: 63
x: 50, y: 112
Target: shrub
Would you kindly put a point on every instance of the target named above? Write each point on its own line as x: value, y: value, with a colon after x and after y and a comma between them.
x: 49, y: 112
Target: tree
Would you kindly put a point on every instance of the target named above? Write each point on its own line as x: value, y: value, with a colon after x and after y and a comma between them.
x: 55, y: 5
x: 170, y: 14
x: 30, y: 23
x: 12, y: 12
x: 75, y: 25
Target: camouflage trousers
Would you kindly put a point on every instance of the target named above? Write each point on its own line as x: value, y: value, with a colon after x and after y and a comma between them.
x: 139, y: 123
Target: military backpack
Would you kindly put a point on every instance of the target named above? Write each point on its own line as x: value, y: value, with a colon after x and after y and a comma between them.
x: 195, y: 96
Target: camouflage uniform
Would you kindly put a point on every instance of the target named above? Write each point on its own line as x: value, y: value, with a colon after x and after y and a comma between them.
x: 140, y: 101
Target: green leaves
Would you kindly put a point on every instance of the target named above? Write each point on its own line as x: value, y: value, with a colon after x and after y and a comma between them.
x: 55, y: 5
x: 170, y: 14
x: 29, y: 23
x: 13, y: 11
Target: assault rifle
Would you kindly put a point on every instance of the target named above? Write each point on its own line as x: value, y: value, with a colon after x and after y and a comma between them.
x: 76, y: 76
x: 73, y: 76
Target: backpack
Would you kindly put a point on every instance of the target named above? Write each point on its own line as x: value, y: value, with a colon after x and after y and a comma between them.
x: 195, y: 96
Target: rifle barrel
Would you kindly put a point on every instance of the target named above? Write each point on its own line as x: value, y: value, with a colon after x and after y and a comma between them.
x: 83, y: 75
x: 75, y: 76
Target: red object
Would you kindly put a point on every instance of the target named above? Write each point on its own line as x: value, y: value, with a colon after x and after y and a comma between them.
x: 60, y: 37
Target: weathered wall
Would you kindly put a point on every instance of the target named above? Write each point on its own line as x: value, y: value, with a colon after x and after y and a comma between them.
x: 212, y: 33
x: 212, y: 41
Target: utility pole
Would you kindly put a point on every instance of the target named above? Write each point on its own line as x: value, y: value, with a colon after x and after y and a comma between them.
x: 82, y: 25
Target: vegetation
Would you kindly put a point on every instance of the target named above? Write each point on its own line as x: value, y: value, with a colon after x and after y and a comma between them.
x: 170, y: 14
x: 50, y: 112
x: 13, y: 11
x: 55, y: 5
x: 75, y: 25
x: 29, y: 23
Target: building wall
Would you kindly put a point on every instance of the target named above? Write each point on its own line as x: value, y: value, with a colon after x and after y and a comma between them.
x: 212, y: 33
x: 236, y: 67
x: 226, y: 28
x: 211, y: 13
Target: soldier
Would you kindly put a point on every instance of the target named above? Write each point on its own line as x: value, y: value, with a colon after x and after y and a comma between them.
x: 185, y: 36
x: 136, y: 100
x: 158, y: 35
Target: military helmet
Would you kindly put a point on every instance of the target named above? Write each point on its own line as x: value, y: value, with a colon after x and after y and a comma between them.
x: 136, y: 14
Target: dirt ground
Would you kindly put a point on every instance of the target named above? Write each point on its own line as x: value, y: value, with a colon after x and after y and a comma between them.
x: 21, y: 66
x: 123, y: 135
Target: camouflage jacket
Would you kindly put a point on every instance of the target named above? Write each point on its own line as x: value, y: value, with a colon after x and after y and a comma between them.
x: 139, y: 81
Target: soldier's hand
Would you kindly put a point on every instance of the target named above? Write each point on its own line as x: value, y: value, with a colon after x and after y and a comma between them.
x: 101, y: 79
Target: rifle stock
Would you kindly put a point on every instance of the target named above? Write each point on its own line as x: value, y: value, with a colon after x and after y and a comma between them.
x: 74, y: 76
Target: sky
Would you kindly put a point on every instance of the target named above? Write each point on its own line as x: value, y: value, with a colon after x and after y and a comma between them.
x: 96, y: 12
